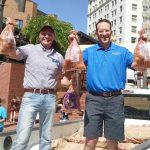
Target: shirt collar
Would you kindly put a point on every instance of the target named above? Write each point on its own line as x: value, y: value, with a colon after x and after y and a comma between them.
x: 49, y: 51
x: 111, y: 46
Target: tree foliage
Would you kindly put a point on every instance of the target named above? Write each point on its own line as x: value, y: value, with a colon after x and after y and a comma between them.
x: 31, y: 31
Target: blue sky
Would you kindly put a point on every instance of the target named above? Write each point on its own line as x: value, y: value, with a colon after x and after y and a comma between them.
x: 72, y: 11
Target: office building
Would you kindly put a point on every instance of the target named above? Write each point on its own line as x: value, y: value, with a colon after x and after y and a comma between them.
x: 127, y: 18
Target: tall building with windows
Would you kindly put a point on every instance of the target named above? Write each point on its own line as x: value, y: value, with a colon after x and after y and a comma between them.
x: 146, y: 16
x: 127, y: 17
x: 22, y: 18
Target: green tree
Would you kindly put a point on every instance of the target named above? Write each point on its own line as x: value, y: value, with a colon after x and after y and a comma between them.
x: 31, y: 31
x: 93, y: 35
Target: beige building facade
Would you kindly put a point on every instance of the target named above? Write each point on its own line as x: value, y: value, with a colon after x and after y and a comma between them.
x: 22, y: 18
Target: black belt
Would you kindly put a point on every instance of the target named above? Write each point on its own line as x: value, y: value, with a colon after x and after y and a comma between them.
x: 107, y: 94
x: 40, y: 91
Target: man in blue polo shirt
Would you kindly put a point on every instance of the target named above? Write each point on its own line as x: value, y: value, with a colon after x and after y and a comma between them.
x: 106, y: 65
x: 106, y: 76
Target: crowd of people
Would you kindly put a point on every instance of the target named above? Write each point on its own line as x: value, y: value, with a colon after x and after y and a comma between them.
x: 106, y: 64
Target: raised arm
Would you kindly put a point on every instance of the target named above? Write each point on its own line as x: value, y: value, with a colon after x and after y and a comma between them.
x: 7, y: 40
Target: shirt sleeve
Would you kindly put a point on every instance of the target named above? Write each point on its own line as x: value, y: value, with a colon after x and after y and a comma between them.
x: 23, y: 51
x: 85, y: 56
x: 129, y: 59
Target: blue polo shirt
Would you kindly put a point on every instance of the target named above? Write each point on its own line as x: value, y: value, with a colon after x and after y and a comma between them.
x: 106, y: 69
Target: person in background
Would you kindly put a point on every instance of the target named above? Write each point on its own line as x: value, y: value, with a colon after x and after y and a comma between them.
x: 72, y: 95
x: 14, y: 108
x: 3, y: 116
x: 106, y: 64
x: 43, y: 64
x: 70, y: 99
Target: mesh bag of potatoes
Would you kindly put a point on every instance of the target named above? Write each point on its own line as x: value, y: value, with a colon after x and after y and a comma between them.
x: 73, y: 56
x: 7, y: 39
x: 141, y: 54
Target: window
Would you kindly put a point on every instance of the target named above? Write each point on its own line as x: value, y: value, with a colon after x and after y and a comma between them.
x: 144, y: 8
x: 120, y: 19
x: 112, y: 13
x: 93, y: 24
x: 133, y: 39
x: 95, y: 14
x: 112, y: 3
x: 108, y: 7
x: 107, y: 16
x: 99, y: 12
x: 114, y: 22
x: 134, y: 7
x: 90, y: 27
x: 120, y: 30
x: 120, y: 40
x: 115, y: 11
x: 19, y: 23
x: 134, y: 18
x: 95, y: 6
x: 120, y: 8
x: 101, y: 2
x: 28, y: 19
x: 114, y: 33
x: 133, y: 29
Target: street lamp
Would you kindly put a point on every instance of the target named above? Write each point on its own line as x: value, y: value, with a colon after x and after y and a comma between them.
x: 21, y: 8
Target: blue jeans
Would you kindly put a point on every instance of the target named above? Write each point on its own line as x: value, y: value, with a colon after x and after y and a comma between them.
x: 32, y: 103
